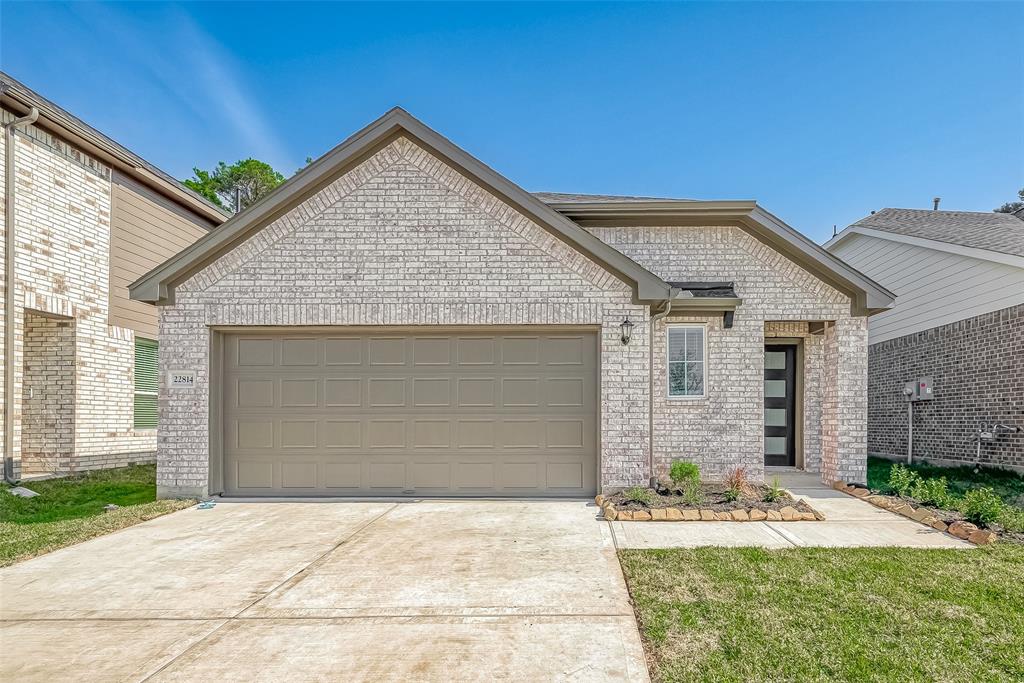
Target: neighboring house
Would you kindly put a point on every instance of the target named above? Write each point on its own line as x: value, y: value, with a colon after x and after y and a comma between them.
x: 399, y: 319
x: 79, y: 356
x: 958, y: 319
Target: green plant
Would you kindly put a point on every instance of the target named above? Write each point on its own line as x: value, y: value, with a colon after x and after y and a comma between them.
x: 902, y: 479
x: 932, y: 492
x: 737, y: 483
x: 681, y: 472
x: 693, y: 494
x: 774, y: 492
x: 639, y: 494
x: 981, y: 505
x: 1011, y: 519
x: 732, y: 494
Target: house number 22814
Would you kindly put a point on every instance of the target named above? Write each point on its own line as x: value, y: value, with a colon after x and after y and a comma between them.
x: 182, y: 379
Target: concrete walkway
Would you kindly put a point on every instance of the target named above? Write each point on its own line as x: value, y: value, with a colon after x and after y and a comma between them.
x: 425, y: 591
x: 849, y: 522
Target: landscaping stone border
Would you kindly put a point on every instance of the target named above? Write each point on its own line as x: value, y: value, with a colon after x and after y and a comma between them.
x: 786, y: 514
x: 962, y: 530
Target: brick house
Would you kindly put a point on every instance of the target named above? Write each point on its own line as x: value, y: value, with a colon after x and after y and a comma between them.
x: 88, y: 218
x: 399, y: 319
x: 958, y: 319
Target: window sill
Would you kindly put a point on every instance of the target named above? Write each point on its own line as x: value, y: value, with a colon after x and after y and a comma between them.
x: 686, y: 399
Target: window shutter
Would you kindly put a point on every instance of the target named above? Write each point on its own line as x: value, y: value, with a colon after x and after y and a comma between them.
x: 147, y: 381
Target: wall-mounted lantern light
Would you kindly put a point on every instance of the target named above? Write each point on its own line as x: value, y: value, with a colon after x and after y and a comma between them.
x: 627, y: 331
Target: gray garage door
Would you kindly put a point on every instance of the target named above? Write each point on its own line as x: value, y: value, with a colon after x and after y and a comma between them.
x: 422, y: 414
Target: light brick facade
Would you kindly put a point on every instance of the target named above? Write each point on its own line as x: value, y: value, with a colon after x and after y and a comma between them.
x: 74, y: 383
x: 725, y: 430
x: 404, y: 239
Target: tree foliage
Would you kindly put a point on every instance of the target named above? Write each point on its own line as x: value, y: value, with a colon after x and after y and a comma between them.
x: 1010, y: 207
x: 249, y: 179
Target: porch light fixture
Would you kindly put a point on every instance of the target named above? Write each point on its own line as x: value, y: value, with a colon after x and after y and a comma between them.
x: 627, y: 331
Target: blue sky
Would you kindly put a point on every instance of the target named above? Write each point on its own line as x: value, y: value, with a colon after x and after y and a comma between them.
x: 820, y: 111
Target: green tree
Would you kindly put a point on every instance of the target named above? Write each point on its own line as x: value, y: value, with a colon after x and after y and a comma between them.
x: 235, y: 186
x: 1010, y: 207
x: 202, y: 183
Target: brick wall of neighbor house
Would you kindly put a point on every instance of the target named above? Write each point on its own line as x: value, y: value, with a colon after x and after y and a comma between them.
x: 977, y: 367
x: 725, y: 430
x: 402, y: 239
x: 63, y: 239
x: 48, y: 394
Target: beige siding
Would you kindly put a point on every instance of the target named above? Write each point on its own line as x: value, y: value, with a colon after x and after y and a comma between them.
x: 146, y: 230
x: 932, y: 287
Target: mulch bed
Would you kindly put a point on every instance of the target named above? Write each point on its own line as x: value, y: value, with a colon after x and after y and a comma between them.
x: 714, y: 499
x: 950, y: 516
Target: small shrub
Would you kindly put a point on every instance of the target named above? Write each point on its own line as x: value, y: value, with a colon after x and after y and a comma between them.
x: 902, y: 479
x: 736, y: 481
x: 774, y: 492
x: 693, y: 494
x: 639, y: 494
x: 681, y: 472
x: 732, y: 494
x: 932, y: 492
x: 981, y: 505
x: 1011, y: 519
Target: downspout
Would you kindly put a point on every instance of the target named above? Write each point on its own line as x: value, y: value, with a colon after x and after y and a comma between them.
x: 9, y: 277
x: 672, y: 292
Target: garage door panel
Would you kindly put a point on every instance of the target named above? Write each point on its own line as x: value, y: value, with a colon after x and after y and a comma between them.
x: 343, y: 434
x: 300, y: 393
x: 343, y: 475
x: 386, y: 392
x: 300, y: 352
x: 465, y: 413
x: 343, y: 351
x: 343, y: 392
x: 387, y: 351
x: 432, y: 351
x: 298, y: 475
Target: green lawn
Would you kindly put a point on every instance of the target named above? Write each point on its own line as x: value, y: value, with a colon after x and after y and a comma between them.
x: 70, y: 510
x: 1008, y: 485
x: 821, y: 614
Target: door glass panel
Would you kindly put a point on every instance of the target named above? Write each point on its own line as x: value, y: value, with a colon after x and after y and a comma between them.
x: 774, y: 388
x: 775, y: 445
x: 774, y: 360
x: 774, y: 417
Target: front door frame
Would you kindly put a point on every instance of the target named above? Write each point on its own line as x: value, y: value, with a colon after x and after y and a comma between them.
x: 798, y: 396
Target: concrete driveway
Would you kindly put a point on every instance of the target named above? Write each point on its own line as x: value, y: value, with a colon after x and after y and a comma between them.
x: 472, y: 590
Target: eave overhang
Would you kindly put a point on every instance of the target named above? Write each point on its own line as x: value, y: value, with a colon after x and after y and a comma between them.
x: 867, y: 296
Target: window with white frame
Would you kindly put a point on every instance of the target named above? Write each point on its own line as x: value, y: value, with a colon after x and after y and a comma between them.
x: 686, y: 361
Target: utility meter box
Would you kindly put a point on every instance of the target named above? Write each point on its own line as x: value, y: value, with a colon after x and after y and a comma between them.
x: 919, y: 390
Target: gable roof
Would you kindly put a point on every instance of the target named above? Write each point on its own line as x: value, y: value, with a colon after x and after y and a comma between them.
x: 157, y: 286
x: 16, y: 96
x: 999, y: 232
x: 563, y: 215
x: 868, y: 296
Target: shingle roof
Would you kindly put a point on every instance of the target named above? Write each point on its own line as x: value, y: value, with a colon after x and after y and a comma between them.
x: 1002, y: 232
x: 572, y: 198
